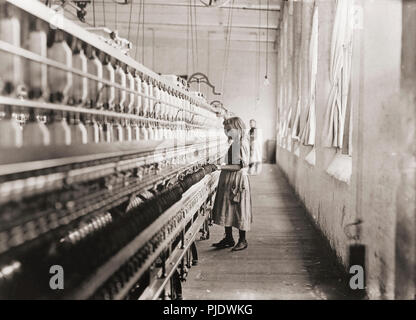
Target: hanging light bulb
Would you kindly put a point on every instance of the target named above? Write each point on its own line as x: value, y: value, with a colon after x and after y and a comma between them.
x: 266, y: 81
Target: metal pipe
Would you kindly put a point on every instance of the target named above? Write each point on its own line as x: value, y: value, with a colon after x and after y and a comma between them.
x: 184, y: 4
x: 271, y: 27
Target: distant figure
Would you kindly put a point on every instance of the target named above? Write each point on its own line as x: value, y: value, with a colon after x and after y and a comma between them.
x: 232, y: 206
x: 256, y: 155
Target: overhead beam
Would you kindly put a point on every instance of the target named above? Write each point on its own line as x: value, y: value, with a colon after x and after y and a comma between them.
x: 184, y: 25
x: 254, y: 7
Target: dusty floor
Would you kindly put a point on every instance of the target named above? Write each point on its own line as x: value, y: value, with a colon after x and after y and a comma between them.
x: 286, y: 257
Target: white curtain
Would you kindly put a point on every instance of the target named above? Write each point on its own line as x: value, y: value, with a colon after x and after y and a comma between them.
x: 340, y: 71
x: 286, y: 128
x: 308, y: 133
x: 281, y: 115
x: 296, y: 123
x: 281, y: 90
x: 285, y: 87
x: 298, y: 108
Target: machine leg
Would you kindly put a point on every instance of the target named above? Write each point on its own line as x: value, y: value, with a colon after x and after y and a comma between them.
x: 183, y: 270
x: 183, y: 239
x: 163, y: 294
x: 206, y: 224
x: 177, y: 287
x: 164, y: 265
x: 188, y: 259
x: 194, y: 254
x: 211, y: 202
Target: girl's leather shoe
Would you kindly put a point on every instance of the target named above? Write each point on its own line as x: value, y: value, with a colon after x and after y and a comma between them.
x: 241, y: 245
x: 224, y: 243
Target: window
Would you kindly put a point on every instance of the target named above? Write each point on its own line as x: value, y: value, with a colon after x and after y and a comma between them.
x: 340, y: 75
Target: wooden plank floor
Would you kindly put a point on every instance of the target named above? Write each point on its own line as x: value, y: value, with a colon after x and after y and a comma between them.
x: 285, y: 259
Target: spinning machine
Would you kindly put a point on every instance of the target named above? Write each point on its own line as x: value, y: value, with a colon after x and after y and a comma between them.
x: 106, y: 168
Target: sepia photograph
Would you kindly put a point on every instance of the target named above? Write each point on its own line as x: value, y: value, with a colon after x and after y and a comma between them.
x: 218, y: 152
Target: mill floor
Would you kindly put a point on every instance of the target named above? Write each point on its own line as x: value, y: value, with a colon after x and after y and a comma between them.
x: 286, y: 257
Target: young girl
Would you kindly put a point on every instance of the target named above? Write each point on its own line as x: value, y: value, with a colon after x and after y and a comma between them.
x: 232, y: 206
x: 255, y: 148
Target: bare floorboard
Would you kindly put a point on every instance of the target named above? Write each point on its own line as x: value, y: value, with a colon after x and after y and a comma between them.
x: 285, y: 259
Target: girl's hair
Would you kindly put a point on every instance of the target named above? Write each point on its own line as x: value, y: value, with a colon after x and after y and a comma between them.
x: 237, y: 124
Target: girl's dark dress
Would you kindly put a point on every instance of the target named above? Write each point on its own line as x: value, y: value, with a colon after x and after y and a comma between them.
x: 232, y: 206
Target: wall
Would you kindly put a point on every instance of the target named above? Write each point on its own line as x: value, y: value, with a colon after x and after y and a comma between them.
x: 244, y: 92
x: 381, y: 189
x: 166, y: 45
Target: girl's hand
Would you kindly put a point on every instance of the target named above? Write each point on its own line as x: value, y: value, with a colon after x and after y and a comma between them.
x: 218, y: 167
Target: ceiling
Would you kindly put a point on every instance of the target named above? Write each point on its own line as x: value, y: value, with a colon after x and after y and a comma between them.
x: 249, y: 17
